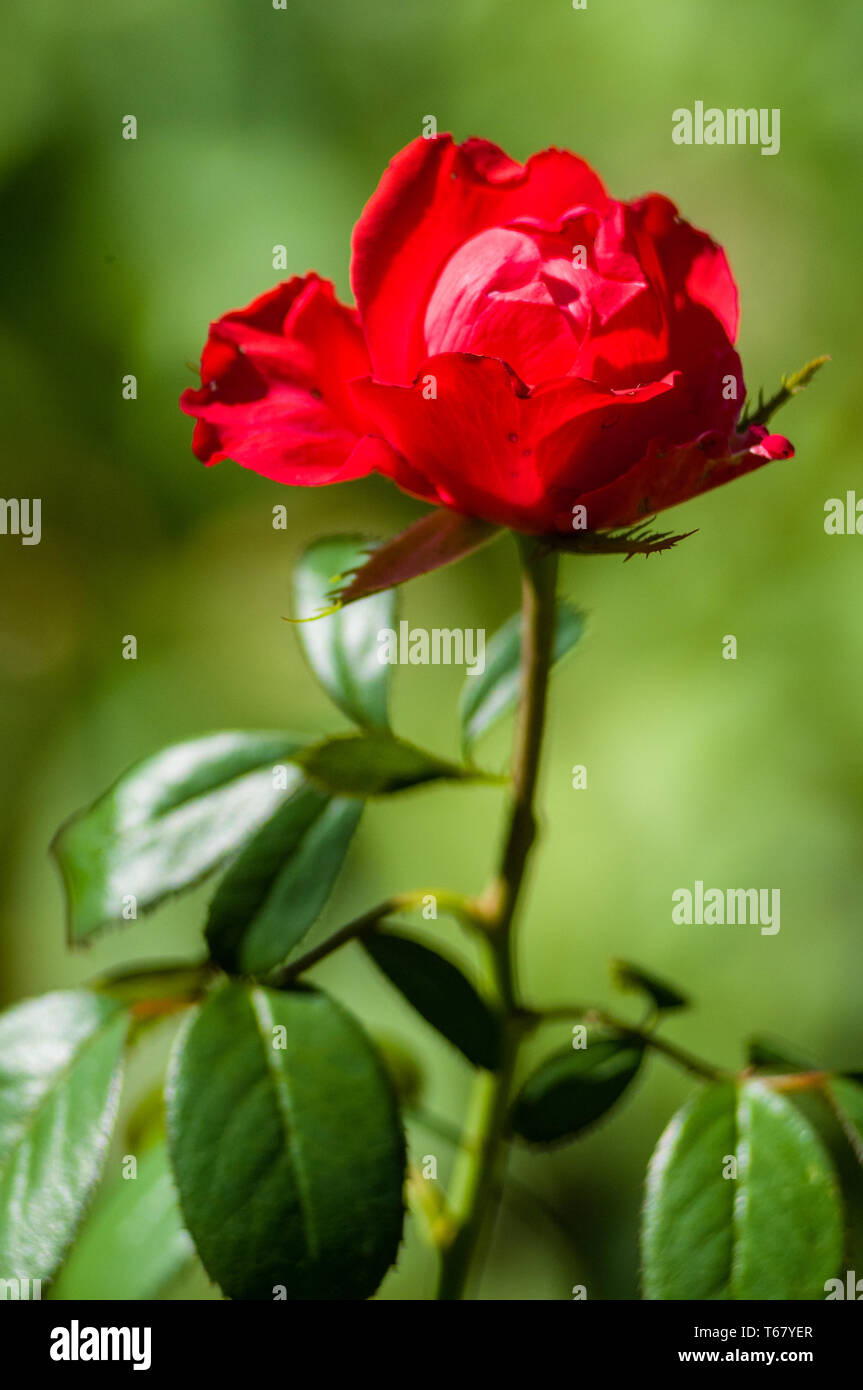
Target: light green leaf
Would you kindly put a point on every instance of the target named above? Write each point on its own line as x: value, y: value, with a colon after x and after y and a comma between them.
x: 439, y: 991
x: 133, y: 1244
x: 375, y: 765
x: 488, y: 696
x: 138, y: 986
x: 573, y: 1089
x: 168, y: 822
x: 772, y: 1232
x: 60, y: 1067
x: 286, y: 1146
x: 342, y: 647
x: 401, y: 1066
x: 846, y: 1097
x: 276, y: 888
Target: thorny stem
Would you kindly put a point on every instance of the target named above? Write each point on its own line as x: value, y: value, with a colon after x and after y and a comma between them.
x: 459, y: 1224
x: 478, y: 1171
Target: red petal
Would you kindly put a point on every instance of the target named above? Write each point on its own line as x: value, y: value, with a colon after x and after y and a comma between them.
x: 274, y: 396
x: 489, y: 447
x: 434, y: 196
x: 283, y: 433
x: 665, y: 477
x: 460, y: 449
x: 695, y: 271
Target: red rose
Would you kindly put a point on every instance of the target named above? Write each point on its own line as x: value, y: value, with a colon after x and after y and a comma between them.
x: 522, y: 344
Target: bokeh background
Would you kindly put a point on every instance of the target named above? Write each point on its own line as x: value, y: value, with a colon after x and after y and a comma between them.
x: 256, y: 127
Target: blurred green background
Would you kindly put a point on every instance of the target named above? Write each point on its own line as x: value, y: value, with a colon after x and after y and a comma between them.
x: 258, y: 126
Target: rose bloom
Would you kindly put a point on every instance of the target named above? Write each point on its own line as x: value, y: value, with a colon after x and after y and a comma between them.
x: 523, y: 344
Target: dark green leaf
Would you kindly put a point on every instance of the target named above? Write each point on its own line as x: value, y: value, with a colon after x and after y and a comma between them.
x: 772, y: 1232
x: 768, y: 1055
x: 374, y: 765
x: 439, y: 991
x: 167, y: 823
x: 343, y: 648
x: 133, y: 1244
x: 274, y: 891
x: 437, y: 539
x: 631, y: 977
x: 571, y: 1090
x: 286, y: 1146
x: 60, y: 1066
x: 488, y: 696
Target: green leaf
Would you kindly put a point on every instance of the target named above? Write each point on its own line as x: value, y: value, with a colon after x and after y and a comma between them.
x: 342, y: 647
x: 439, y: 991
x: 167, y: 823
x: 573, y: 1089
x: 629, y: 977
x: 846, y: 1097
x: 274, y: 891
x: 768, y: 1055
x: 134, y: 1243
x: 404, y: 1071
x: 488, y: 696
x: 138, y: 986
x: 375, y: 765
x: 773, y: 1232
x: 436, y: 539
x: 60, y: 1067
x: 146, y: 1123
x: 286, y: 1146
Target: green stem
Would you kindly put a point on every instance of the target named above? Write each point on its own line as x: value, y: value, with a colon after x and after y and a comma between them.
x: 647, y: 1037
x: 358, y: 926
x: 477, y: 1178
x: 455, y: 903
